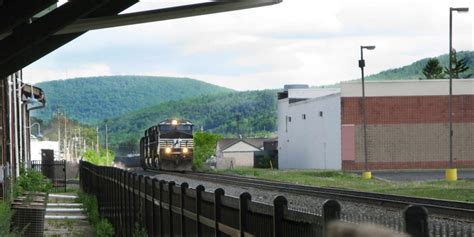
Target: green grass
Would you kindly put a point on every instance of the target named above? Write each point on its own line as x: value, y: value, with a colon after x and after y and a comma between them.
x: 5, y: 218
x: 461, y: 190
x: 103, y: 228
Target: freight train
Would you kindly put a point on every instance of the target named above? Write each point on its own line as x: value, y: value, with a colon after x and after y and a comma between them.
x: 168, y: 146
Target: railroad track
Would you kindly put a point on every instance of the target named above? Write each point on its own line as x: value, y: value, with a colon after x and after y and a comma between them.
x: 457, y: 209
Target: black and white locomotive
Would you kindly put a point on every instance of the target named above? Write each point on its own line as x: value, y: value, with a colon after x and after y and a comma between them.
x: 168, y: 146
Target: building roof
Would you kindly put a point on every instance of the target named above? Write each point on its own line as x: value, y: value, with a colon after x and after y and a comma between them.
x: 228, y: 142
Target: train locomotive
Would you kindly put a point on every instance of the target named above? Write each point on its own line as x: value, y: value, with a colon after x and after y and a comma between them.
x: 168, y: 146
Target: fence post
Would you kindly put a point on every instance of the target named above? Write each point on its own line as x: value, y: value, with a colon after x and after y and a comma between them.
x: 280, y: 204
x: 243, y: 207
x: 199, y: 190
x: 416, y: 221
x: 331, y: 211
x: 146, y: 190
x: 171, y: 184
x: 161, y: 184
x: 184, y: 187
x: 153, y: 215
x: 140, y: 201
x: 130, y: 203
x: 218, y: 193
x: 121, y: 201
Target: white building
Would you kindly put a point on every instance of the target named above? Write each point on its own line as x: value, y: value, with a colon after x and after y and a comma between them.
x: 37, y: 146
x: 309, y: 128
x: 231, y: 153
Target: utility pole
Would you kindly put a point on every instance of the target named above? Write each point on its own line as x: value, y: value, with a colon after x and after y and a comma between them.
x: 65, y: 151
x: 106, y: 143
x: 97, y: 140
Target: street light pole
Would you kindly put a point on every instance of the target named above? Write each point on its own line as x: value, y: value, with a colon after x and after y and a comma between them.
x: 451, y: 172
x: 366, y: 174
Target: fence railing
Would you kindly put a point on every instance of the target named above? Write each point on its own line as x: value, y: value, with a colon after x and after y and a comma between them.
x: 55, y: 171
x: 164, y: 208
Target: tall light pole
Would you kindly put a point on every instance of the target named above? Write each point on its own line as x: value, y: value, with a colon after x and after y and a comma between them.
x: 451, y: 172
x: 366, y: 174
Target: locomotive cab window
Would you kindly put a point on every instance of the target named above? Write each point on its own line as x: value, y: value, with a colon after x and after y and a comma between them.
x: 184, y: 127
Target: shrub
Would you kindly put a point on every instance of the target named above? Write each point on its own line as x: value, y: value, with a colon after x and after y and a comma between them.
x: 91, y: 206
x: 32, y: 180
x: 99, y: 159
x: 104, y: 228
x: 204, y: 147
x: 5, y: 218
x: 139, y: 231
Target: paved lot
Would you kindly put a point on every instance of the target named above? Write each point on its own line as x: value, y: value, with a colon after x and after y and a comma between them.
x: 420, y: 175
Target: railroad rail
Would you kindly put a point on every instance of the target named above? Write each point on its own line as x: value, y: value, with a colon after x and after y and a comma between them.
x: 458, y: 209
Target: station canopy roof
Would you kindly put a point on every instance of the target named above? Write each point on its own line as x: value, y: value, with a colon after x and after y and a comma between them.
x: 30, y: 29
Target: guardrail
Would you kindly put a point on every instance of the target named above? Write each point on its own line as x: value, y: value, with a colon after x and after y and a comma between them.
x: 166, y: 209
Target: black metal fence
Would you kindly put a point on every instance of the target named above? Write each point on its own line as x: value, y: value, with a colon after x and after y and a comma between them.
x: 163, y: 208
x: 55, y: 171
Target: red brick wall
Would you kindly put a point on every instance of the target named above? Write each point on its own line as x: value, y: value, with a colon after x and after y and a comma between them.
x: 407, y: 109
x: 410, y: 132
x: 352, y: 165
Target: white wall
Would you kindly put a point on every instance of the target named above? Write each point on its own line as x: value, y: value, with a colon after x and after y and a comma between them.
x: 310, y: 93
x: 237, y: 155
x: 407, y: 88
x: 36, y: 147
x: 314, y: 142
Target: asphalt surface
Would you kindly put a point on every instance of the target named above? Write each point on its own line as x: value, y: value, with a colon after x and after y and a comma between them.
x: 420, y: 175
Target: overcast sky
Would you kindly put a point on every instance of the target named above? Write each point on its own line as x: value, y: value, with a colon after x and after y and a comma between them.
x: 298, y: 41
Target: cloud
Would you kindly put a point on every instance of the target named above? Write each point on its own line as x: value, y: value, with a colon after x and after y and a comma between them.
x: 46, y: 73
x: 297, y: 41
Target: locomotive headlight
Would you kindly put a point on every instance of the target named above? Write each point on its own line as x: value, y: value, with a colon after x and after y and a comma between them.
x: 174, y: 122
x: 185, y: 150
x: 168, y: 150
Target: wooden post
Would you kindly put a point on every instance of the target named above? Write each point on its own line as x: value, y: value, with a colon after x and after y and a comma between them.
x: 170, y: 203
x: 416, y: 221
x: 218, y: 193
x: 184, y: 187
x: 161, y: 226
x: 280, y: 204
x: 331, y: 211
x: 146, y: 189
x: 199, y: 190
x: 243, y: 208
x: 153, y: 214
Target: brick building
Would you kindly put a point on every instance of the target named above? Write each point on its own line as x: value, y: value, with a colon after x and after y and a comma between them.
x: 408, y: 124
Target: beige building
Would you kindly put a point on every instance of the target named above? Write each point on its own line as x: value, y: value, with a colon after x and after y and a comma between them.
x: 237, y: 152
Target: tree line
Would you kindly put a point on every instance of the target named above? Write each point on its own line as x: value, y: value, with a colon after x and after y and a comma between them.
x: 434, y: 70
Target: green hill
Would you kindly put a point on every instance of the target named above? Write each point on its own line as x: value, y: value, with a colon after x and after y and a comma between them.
x: 414, y: 70
x: 255, y: 111
x: 93, y: 99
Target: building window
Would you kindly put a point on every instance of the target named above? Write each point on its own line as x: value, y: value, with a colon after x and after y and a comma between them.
x: 320, y: 113
x: 289, y: 118
x: 304, y: 116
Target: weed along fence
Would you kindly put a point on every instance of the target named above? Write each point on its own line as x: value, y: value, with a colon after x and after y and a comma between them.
x: 132, y: 202
x: 55, y: 171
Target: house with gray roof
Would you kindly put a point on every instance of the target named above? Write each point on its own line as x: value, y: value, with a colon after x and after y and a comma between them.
x: 236, y: 152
